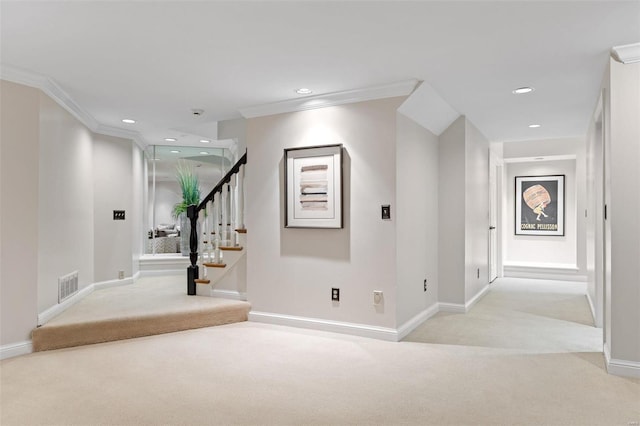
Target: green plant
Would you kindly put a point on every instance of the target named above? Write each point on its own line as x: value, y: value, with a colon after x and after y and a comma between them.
x: 188, y: 181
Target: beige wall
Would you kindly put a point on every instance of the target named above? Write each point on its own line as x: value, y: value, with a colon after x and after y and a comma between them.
x: 59, y: 186
x: 65, y: 196
x: 623, y: 190
x: 113, y: 190
x: 451, y: 213
x: 19, y: 151
x: 476, y: 211
x: 292, y: 271
x: 416, y: 216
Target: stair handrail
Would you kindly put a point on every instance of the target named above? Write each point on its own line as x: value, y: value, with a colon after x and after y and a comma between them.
x: 192, y: 214
x: 226, y: 179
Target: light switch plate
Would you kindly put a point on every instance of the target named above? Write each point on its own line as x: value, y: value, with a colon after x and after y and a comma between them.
x: 386, y: 212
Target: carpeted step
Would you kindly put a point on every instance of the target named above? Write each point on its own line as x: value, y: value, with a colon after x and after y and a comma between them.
x: 60, y: 334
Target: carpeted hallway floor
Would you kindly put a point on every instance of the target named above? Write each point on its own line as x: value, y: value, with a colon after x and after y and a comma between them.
x: 258, y: 374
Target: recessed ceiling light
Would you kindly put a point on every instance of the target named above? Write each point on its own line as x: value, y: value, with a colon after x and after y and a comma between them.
x: 128, y: 121
x: 534, y: 126
x: 304, y: 91
x: 170, y: 139
x: 175, y: 151
x: 204, y: 152
x: 522, y: 90
x: 205, y: 141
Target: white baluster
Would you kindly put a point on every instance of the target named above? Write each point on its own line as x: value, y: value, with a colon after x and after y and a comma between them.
x: 209, y: 229
x: 240, y: 221
x: 217, y: 200
x: 233, y: 209
x: 224, y: 236
x: 200, y: 239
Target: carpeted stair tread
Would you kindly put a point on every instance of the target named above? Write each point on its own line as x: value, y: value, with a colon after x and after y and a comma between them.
x: 151, y: 305
x: 61, y: 334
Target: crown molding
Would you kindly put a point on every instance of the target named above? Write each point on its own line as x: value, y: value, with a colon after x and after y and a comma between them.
x: 627, y: 54
x: 402, y: 88
x: 62, y: 98
x: 121, y: 133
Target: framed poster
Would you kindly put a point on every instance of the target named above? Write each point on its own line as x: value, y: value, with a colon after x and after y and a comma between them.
x: 313, y: 187
x: 539, y: 205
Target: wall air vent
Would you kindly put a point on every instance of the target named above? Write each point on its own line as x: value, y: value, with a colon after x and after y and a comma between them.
x: 67, y: 286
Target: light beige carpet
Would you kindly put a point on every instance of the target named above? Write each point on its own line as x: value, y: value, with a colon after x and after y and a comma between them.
x: 258, y: 374
x: 150, y: 306
x: 533, y: 315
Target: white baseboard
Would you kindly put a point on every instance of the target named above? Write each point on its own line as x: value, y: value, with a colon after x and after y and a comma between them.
x: 459, y: 308
x: 56, y: 310
x: 163, y: 272
x: 114, y: 283
x: 544, y: 272
x: 373, y: 332
x: 16, y: 349
x: 456, y: 308
x: 592, y: 308
x: 620, y: 367
x: 229, y: 294
x: 476, y: 298
x: 413, y: 323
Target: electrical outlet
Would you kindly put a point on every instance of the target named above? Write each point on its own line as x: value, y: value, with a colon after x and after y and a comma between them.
x: 120, y: 275
x: 425, y: 284
x: 335, y: 294
x: 377, y: 297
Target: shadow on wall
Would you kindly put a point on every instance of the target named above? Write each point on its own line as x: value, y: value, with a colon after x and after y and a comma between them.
x: 334, y: 244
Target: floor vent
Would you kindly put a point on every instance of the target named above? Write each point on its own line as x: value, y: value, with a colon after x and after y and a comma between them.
x: 67, y: 286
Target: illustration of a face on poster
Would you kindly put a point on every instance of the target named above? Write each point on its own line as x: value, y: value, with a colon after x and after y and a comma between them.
x: 539, y: 205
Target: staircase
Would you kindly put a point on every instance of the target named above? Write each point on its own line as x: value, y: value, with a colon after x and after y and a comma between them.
x: 221, y: 216
x: 158, y: 305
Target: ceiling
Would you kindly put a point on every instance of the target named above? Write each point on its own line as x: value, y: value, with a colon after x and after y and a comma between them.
x: 211, y: 164
x: 156, y: 61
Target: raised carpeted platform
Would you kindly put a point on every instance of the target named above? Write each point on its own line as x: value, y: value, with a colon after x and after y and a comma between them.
x: 150, y: 306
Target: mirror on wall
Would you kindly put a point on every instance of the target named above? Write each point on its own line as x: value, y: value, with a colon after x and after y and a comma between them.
x: 162, y: 235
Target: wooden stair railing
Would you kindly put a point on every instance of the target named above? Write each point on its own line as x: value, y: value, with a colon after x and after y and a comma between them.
x: 227, y: 208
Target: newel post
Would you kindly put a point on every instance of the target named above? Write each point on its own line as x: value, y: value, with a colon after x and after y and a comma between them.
x: 192, y: 270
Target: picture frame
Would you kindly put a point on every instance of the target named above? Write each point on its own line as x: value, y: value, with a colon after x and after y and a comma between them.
x: 539, y: 205
x: 313, y: 187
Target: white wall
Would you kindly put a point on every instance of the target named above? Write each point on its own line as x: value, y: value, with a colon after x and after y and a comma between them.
x: 559, y: 148
x: 451, y: 213
x: 463, y: 211
x: 167, y: 194
x: 234, y: 129
x: 416, y: 216
x: 624, y: 194
x: 19, y: 152
x: 113, y: 190
x: 547, y: 250
x: 65, y: 197
x: 139, y: 184
x: 292, y: 271
x: 576, y: 193
x: 476, y: 264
